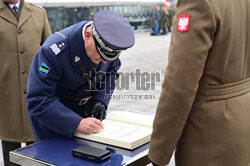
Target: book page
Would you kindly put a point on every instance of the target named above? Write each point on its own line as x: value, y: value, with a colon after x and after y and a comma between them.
x: 133, y: 117
x: 120, y: 134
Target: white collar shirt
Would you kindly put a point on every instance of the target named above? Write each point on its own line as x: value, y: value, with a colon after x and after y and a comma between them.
x: 17, y: 5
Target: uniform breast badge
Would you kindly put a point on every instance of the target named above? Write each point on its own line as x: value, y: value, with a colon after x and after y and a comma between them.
x: 77, y: 58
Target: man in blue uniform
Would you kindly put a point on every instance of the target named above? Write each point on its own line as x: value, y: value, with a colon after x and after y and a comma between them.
x: 72, y: 73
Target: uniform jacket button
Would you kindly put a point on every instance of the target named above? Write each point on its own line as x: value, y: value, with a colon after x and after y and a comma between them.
x: 25, y: 91
x: 21, y: 51
x: 19, y: 31
x: 24, y: 71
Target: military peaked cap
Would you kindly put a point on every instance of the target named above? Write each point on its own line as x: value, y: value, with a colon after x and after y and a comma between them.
x: 112, y: 34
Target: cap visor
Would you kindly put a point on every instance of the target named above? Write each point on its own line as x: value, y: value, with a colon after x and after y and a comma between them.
x: 108, y: 57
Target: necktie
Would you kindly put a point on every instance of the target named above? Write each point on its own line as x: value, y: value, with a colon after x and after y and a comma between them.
x: 15, y: 11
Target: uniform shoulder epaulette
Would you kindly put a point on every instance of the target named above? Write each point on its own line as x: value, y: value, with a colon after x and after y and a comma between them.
x: 59, y: 46
x: 38, y: 6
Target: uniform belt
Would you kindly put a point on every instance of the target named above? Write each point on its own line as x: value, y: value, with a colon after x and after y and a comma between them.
x: 78, y: 101
x: 225, y: 91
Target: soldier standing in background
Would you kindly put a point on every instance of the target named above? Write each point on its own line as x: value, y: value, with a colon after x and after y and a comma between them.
x: 91, y: 15
x: 170, y: 17
x: 163, y: 20
x: 156, y: 20
x: 23, y: 29
x: 152, y: 19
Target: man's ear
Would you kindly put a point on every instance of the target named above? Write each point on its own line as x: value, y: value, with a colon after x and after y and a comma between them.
x: 87, y: 34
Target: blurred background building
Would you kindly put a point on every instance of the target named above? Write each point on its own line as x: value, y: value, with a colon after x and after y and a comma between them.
x: 63, y: 13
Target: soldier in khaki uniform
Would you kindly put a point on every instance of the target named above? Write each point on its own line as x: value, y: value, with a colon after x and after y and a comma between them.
x: 204, y: 108
x: 23, y: 29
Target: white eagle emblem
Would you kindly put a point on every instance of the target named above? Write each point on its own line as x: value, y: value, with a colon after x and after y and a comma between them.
x: 183, y: 23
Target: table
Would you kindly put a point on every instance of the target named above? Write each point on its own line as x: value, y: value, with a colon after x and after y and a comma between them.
x: 58, y: 151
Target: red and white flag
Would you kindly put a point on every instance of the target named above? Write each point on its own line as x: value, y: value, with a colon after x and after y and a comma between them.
x: 167, y: 3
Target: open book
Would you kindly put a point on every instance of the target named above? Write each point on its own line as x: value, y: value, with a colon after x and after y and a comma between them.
x: 126, y: 129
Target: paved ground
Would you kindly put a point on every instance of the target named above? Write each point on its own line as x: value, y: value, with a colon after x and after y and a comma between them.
x: 142, y: 74
x: 148, y: 58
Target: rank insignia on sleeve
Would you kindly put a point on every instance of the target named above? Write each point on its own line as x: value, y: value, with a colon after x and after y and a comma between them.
x: 44, y: 69
x: 183, y: 23
x: 55, y: 49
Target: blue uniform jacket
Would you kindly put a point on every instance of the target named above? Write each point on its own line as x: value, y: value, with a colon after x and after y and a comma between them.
x: 54, y: 73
